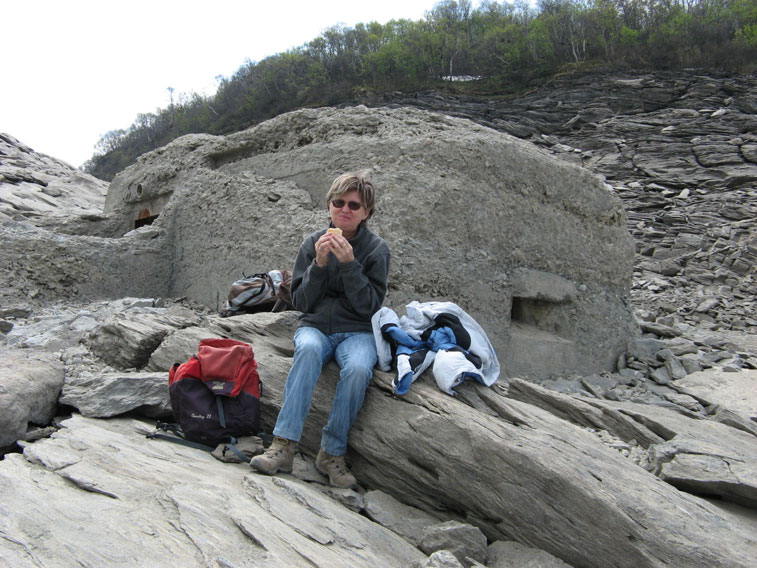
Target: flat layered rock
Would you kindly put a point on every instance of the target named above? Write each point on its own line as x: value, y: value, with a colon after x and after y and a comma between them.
x: 704, y: 457
x: 142, y: 500
x: 734, y: 391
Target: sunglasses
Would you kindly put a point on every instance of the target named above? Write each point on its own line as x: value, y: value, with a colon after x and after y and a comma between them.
x: 353, y: 205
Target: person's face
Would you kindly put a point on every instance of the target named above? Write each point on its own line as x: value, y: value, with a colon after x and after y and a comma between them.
x: 345, y: 217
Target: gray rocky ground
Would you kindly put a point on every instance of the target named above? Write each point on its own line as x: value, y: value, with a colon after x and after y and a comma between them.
x: 650, y: 462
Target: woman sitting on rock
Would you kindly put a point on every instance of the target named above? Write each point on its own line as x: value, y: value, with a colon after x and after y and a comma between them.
x: 339, y: 281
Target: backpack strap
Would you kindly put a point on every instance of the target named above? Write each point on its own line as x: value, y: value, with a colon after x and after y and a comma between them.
x: 232, y: 447
x: 221, y: 415
x: 177, y: 438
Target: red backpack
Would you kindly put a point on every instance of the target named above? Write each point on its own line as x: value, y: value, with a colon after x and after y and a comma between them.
x: 215, y: 396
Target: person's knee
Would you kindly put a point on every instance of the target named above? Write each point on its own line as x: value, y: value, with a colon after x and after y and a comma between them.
x: 308, y: 346
x: 357, y: 375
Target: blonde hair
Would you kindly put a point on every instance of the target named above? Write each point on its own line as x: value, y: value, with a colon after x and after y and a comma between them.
x: 354, y: 182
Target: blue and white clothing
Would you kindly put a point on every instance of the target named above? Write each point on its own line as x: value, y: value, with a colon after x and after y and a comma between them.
x: 440, y: 335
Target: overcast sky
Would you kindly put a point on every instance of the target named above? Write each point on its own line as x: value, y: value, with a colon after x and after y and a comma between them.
x: 73, y: 70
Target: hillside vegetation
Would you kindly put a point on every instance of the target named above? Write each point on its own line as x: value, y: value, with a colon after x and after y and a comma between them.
x: 506, y: 47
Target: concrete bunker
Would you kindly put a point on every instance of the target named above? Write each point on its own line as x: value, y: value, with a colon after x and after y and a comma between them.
x: 548, y: 249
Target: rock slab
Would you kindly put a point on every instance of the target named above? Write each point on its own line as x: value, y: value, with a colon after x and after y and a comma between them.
x: 115, y: 498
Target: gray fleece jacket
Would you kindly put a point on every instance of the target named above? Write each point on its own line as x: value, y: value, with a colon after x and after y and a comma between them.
x: 341, y: 297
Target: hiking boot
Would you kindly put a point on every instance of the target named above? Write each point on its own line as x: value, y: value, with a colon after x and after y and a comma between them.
x: 336, y: 469
x: 278, y: 457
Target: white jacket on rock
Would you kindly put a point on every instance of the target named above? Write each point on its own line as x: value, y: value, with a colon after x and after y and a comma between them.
x: 440, y: 335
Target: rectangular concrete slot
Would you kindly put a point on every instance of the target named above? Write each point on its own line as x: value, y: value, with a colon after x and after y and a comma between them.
x: 535, y: 348
x: 539, y: 342
x: 145, y: 216
x: 145, y: 221
x: 535, y: 313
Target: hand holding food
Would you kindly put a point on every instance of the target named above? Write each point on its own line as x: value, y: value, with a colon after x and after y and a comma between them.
x: 332, y: 241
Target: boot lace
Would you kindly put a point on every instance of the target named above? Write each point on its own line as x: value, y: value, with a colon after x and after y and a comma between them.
x: 337, y: 464
x: 280, y: 448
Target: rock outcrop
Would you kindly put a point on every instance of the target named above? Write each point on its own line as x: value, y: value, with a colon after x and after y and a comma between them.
x: 680, y: 150
x: 52, y: 231
x: 48, y: 192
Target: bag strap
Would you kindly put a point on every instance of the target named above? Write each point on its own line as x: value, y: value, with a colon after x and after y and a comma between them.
x: 177, y: 438
x: 182, y: 441
x: 232, y: 447
x: 221, y: 415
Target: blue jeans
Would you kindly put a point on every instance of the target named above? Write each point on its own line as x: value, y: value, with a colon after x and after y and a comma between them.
x: 355, y: 353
